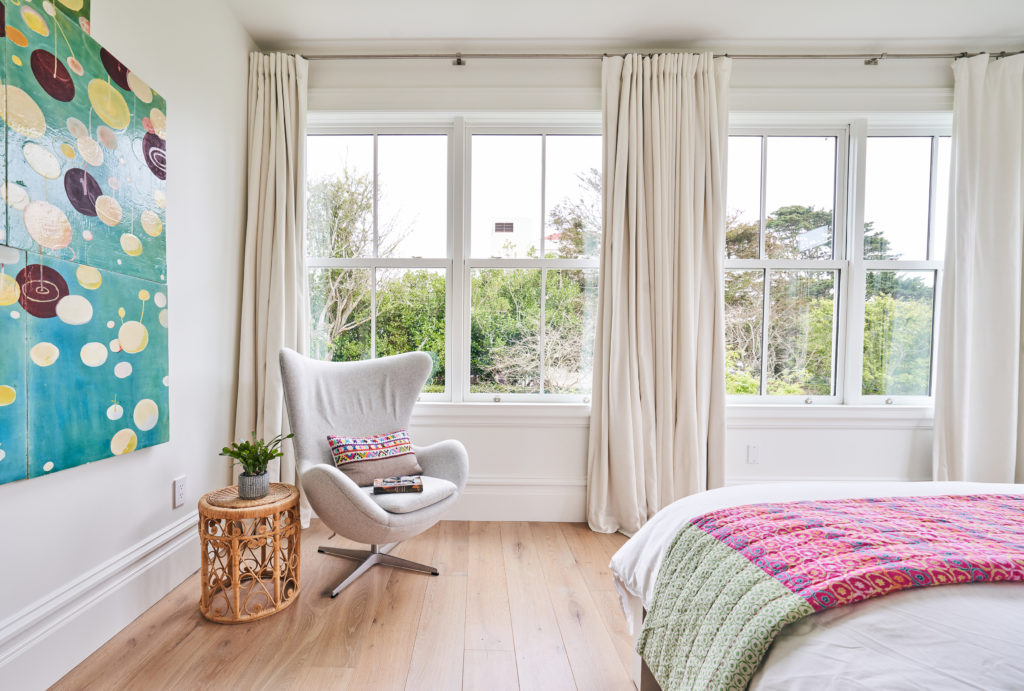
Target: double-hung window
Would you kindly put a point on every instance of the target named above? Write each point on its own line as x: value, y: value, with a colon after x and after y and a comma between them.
x: 833, y: 262
x: 475, y: 242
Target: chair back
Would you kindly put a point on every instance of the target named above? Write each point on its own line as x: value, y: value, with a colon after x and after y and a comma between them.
x: 350, y: 399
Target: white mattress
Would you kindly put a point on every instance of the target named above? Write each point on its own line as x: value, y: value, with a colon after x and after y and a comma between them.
x: 962, y: 636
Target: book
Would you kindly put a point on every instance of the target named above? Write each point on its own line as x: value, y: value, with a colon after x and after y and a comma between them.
x: 397, y: 485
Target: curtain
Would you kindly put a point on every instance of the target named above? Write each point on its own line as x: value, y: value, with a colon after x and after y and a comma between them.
x: 274, y: 307
x: 657, y: 425
x: 979, y: 432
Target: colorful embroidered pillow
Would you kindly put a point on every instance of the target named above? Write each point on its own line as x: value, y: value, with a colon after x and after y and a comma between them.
x: 365, y: 459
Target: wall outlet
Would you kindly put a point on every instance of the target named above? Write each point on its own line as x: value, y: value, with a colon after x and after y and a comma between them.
x: 179, y: 491
x: 753, y: 455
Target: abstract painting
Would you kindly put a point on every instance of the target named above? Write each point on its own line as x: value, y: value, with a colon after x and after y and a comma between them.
x: 83, y: 274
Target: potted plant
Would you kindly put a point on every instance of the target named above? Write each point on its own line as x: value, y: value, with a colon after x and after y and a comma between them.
x: 253, y: 456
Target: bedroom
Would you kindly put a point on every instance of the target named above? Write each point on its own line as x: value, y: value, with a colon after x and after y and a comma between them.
x: 96, y: 546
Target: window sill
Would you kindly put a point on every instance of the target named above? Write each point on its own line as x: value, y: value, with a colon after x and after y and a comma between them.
x: 800, y: 416
x: 485, y: 414
x: 738, y: 416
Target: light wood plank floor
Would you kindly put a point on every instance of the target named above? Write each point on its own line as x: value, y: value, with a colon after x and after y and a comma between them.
x: 517, y: 606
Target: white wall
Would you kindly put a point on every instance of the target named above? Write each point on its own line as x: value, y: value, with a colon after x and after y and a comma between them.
x: 86, y: 550
x: 528, y: 462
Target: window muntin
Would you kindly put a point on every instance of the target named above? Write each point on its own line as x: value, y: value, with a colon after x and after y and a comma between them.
x: 398, y: 263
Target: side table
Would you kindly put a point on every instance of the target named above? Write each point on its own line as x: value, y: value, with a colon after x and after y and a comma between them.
x: 250, y: 553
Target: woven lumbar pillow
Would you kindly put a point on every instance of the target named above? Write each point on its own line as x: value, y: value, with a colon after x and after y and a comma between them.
x: 365, y: 459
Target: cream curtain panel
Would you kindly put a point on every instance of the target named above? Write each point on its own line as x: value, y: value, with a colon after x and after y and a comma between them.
x: 273, y: 293
x: 979, y: 431
x: 657, y: 425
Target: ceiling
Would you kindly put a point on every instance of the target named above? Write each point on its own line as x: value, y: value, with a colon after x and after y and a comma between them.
x: 568, y: 25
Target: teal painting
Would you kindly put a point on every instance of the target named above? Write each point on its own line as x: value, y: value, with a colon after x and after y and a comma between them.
x: 83, y: 275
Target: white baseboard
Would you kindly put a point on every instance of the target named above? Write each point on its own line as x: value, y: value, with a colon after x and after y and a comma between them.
x: 45, y: 640
x: 521, y: 499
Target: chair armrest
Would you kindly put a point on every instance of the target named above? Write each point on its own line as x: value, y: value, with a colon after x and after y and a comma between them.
x: 334, y: 497
x: 445, y: 459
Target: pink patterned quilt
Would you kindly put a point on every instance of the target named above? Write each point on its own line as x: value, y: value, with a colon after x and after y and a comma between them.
x: 734, y: 577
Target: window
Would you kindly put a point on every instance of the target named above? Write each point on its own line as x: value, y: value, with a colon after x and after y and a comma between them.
x: 833, y: 259
x: 477, y: 244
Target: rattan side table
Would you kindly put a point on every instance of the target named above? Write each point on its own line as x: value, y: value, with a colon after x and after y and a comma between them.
x: 250, y: 553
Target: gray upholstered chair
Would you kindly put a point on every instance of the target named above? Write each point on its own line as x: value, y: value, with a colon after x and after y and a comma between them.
x: 357, y: 399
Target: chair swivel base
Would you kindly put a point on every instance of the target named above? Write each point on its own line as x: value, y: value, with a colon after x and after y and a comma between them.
x: 375, y: 556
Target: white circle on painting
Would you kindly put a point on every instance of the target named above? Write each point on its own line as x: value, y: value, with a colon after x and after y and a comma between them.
x: 115, y: 346
x: 167, y: 381
x: 122, y: 370
x: 160, y: 300
x: 48, y: 466
x: 88, y: 277
x: 44, y: 354
x: 123, y: 442
x: 74, y: 310
x: 3, y: 454
x: 151, y: 223
x: 163, y: 318
x: 15, y: 314
x: 94, y: 354
x: 108, y: 210
x: 77, y: 128
x: 41, y: 160
x: 115, y: 412
x: 90, y: 150
x: 134, y: 337
x: 15, y: 195
x: 146, y: 414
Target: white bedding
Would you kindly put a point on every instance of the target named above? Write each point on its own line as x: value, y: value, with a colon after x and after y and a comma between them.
x: 963, y: 636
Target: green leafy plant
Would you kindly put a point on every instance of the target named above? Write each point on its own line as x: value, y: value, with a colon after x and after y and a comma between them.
x: 254, y: 455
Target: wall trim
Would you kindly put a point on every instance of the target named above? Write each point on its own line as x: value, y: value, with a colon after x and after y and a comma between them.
x: 737, y: 480
x: 839, y: 100
x: 44, y: 617
x: 454, y: 98
x: 500, y: 498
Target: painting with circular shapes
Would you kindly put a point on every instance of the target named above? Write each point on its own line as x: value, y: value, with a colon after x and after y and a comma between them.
x: 81, y: 383
x: 83, y: 276
x: 86, y: 136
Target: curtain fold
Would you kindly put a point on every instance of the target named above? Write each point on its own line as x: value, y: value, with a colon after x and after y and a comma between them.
x: 657, y: 426
x: 979, y: 432
x: 274, y: 307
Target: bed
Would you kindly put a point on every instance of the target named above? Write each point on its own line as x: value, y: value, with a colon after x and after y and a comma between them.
x: 967, y: 636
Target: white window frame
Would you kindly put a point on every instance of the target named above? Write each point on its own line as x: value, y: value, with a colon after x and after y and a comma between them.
x: 852, y: 132
x: 459, y: 263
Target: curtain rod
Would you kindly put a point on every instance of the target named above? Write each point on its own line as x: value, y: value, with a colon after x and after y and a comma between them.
x: 460, y: 58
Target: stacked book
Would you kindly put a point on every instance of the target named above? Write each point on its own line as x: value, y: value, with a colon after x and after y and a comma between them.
x: 398, y: 484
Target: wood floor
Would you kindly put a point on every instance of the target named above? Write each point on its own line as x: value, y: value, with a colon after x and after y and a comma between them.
x: 517, y: 606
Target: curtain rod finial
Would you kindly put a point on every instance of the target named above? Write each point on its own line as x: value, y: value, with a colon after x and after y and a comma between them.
x: 458, y: 61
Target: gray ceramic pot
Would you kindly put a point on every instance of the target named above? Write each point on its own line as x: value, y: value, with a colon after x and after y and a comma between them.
x: 253, y: 486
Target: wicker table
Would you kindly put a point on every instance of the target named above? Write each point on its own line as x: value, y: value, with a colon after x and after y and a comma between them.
x: 250, y: 553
